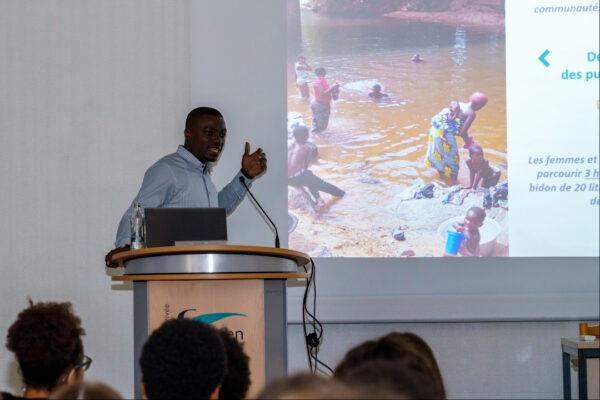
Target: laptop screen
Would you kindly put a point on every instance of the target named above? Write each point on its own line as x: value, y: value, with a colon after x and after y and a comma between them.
x: 166, y: 226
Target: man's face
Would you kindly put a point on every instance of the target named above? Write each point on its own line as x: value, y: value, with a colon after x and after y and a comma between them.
x: 206, y: 137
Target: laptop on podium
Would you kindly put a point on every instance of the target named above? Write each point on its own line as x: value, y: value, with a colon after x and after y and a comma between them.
x: 182, y: 226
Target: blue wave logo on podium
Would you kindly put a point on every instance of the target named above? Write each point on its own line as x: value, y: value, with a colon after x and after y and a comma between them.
x: 214, y: 317
x: 210, y: 318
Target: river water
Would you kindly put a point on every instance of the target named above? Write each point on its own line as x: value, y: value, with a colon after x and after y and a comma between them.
x: 375, y: 150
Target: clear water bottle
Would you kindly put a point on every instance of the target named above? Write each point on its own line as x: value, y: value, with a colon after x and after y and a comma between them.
x: 138, y: 240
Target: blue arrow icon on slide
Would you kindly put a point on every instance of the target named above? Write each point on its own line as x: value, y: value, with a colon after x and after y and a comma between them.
x: 542, y: 58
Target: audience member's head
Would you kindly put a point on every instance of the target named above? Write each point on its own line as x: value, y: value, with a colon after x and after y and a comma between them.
x: 86, y: 390
x: 393, y: 346
x: 404, y: 378
x: 237, y: 379
x: 421, y: 348
x: 305, y: 385
x: 183, y: 359
x: 46, y: 341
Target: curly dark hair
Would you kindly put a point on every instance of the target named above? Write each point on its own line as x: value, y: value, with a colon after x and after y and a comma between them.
x: 46, y: 340
x: 237, y: 379
x: 183, y: 358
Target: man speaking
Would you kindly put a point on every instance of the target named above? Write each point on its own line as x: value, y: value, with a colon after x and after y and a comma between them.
x: 182, y: 179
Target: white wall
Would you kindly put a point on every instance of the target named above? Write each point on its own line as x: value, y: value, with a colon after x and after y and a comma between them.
x: 94, y: 91
x: 497, y: 360
x: 238, y: 66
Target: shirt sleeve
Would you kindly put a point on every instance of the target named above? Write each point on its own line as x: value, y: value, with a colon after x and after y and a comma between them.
x: 154, y: 192
x: 233, y: 193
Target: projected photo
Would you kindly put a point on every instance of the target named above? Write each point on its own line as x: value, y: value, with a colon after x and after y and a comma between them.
x: 397, y: 128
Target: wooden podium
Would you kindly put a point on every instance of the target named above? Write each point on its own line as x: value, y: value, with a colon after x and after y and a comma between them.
x: 242, y: 288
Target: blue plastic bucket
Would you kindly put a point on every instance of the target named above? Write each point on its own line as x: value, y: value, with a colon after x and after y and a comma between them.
x: 453, y: 242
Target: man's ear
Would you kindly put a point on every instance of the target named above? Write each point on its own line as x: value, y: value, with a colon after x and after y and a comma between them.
x: 215, y: 395
x: 71, y: 377
x: 187, y: 134
x: 143, y: 387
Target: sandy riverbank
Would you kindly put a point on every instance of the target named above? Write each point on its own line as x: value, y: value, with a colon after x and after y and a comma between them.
x: 419, y: 219
x: 484, y: 20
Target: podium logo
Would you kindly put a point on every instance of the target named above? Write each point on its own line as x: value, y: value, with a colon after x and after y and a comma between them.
x: 214, y: 317
x: 210, y: 318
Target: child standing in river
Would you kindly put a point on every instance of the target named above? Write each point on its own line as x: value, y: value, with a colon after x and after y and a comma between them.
x: 321, y: 105
x: 301, y: 68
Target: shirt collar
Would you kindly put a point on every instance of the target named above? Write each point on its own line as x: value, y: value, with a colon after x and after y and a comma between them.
x: 190, y: 158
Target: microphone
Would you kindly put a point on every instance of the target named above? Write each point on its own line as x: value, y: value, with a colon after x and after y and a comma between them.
x: 243, y: 181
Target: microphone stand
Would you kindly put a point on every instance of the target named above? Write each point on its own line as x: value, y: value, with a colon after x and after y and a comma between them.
x: 243, y: 182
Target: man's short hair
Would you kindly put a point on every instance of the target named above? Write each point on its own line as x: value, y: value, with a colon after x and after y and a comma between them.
x: 197, y: 112
x: 237, y: 379
x: 183, y: 359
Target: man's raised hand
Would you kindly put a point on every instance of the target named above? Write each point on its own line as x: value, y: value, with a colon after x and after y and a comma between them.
x: 253, y: 164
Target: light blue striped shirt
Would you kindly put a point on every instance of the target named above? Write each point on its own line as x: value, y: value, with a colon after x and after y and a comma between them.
x: 181, y: 180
